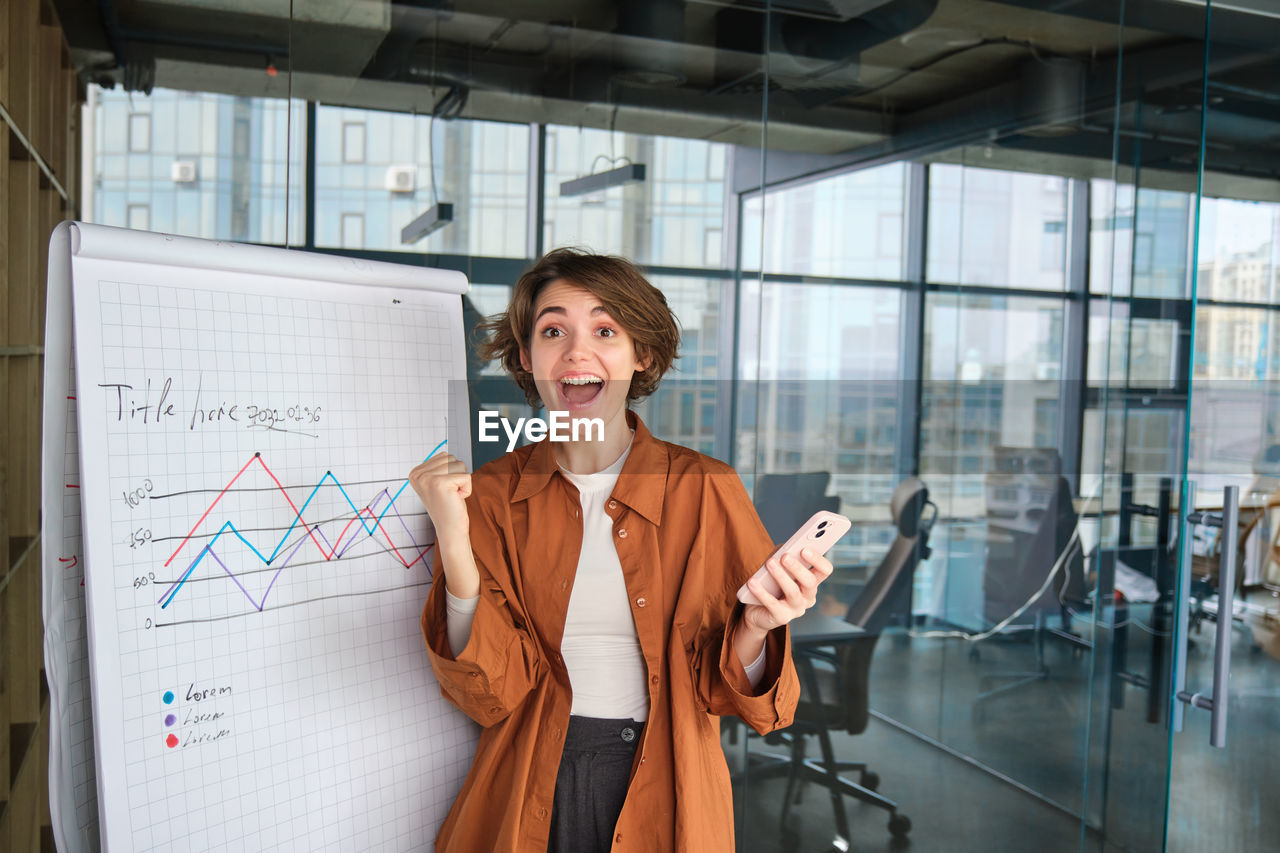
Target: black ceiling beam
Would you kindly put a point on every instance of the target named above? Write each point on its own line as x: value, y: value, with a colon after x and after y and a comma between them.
x: 1230, y: 26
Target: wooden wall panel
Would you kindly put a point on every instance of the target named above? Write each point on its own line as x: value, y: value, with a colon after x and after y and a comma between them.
x: 23, y: 17
x: 5, y: 59
x: 42, y: 95
x: 6, y: 176
x: 26, y: 379
x: 6, y: 661
x: 21, y: 233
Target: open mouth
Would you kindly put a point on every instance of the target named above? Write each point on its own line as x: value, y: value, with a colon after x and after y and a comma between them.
x: 578, y: 391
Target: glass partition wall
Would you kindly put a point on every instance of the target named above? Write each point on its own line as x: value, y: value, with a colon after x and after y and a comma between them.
x: 1018, y: 257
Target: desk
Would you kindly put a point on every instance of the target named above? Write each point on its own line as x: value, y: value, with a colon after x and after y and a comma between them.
x: 815, y: 629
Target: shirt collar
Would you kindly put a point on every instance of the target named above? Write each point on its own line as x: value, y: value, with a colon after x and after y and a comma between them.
x: 644, y: 493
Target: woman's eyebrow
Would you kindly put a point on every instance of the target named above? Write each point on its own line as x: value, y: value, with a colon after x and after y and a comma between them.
x: 556, y: 309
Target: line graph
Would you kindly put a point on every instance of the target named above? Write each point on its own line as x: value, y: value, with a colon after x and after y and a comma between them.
x: 329, y: 551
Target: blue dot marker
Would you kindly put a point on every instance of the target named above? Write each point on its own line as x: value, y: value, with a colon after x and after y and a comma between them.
x: 168, y: 697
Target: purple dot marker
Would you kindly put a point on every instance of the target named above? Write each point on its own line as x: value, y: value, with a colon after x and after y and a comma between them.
x: 170, y: 719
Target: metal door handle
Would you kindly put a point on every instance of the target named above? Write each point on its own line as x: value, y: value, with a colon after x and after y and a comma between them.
x: 1217, y: 704
x: 1183, y: 606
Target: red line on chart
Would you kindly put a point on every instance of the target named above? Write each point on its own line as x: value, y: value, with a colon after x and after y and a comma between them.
x: 212, y: 505
x: 310, y: 531
x: 328, y: 554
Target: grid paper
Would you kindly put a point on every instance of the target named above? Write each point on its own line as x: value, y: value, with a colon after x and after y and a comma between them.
x: 260, y: 677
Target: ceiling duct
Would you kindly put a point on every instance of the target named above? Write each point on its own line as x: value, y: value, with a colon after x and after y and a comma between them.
x: 659, y: 20
x: 809, y: 41
x: 1051, y: 95
x: 839, y: 41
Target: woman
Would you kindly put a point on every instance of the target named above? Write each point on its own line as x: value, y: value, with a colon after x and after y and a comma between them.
x: 588, y: 619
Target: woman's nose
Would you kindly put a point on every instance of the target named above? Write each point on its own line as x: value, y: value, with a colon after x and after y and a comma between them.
x: 578, y: 347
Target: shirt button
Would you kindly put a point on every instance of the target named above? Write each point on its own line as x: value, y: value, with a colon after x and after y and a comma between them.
x: 495, y: 710
x: 653, y: 679
x: 640, y: 602
x: 617, y: 839
x: 555, y: 733
x: 564, y: 584
x: 642, y: 759
x: 622, y: 533
x: 542, y: 814
x: 613, y: 504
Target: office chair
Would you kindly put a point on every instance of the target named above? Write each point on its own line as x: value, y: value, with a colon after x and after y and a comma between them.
x: 835, y: 682
x: 1015, y: 569
x: 786, y: 501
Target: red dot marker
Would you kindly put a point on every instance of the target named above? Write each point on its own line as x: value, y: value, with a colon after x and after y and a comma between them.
x: 171, y: 741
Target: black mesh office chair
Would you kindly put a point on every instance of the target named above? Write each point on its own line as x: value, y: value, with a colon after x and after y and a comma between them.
x: 786, y: 501
x: 835, y: 681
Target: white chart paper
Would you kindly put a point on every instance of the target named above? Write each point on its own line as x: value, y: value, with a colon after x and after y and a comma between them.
x: 258, y: 562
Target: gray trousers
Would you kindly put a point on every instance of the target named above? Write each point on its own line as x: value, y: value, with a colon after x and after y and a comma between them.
x: 591, y: 783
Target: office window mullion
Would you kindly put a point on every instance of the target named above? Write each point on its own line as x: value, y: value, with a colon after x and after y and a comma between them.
x: 911, y: 336
x: 1075, y: 335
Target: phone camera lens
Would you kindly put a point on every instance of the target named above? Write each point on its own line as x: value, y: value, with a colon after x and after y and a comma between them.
x: 819, y: 534
x: 822, y: 524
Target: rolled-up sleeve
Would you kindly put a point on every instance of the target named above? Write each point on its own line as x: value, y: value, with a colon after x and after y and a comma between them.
x: 500, y: 663
x: 733, y: 544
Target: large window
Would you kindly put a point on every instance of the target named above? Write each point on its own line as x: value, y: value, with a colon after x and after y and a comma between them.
x: 390, y: 168
x: 827, y: 399
x: 846, y: 226
x: 200, y: 165
x: 991, y: 371
x: 686, y: 404
x: 1138, y: 241
x: 994, y: 228
x: 1239, y: 251
x: 674, y: 217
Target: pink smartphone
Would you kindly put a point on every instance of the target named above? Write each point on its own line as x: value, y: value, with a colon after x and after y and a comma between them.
x: 817, y: 534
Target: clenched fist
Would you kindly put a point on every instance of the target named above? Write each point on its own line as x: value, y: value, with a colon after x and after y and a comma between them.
x: 443, y: 485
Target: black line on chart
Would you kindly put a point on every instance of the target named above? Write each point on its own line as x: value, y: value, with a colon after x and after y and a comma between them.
x: 382, y: 551
x: 290, y: 604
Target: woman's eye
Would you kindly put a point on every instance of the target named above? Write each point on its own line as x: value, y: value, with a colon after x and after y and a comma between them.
x: 550, y: 332
x: 607, y: 332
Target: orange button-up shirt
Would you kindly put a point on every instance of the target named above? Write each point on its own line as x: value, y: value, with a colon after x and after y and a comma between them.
x: 687, y: 537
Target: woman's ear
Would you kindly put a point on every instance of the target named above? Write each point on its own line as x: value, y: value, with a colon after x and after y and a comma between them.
x: 644, y: 360
x: 524, y: 360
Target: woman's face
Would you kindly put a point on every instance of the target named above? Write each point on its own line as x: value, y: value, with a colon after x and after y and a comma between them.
x: 582, y: 360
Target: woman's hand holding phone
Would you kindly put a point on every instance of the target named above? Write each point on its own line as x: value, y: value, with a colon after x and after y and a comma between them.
x: 786, y: 585
x: 796, y: 578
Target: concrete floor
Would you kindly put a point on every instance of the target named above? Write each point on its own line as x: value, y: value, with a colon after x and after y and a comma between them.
x: 1039, y: 735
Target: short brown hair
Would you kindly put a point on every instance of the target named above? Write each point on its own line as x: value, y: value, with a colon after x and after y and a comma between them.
x: 626, y: 294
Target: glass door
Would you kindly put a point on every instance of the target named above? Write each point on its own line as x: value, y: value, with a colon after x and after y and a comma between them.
x: 1225, y: 780
x: 1138, y: 424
